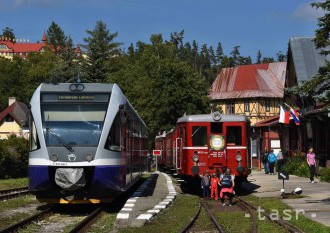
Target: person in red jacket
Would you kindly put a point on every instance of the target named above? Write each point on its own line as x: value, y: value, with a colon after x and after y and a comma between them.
x: 214, y: 186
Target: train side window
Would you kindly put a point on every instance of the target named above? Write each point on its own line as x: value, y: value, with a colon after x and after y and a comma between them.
x: 216, y: 127
x: 34, y: 140
x: 234, y: 135
x: 113, y: 140
x: 199, y: 135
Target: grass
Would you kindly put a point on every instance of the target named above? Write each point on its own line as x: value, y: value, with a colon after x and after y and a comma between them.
x: 13, y: 183
x: 14, y: 204
x: 276, y: 207
x: 104, y: 224
x: 172, y: 219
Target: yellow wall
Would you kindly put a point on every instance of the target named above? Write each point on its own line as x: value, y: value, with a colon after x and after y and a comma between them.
x: 257, y: 108
x: 8, y: 128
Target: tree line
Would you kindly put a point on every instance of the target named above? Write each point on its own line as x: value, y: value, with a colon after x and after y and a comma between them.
x: 163, y: 79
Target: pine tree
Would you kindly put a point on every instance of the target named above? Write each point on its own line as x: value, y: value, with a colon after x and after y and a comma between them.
x: 100, y: 48
x: 8, y: 33
x: 219, y: 53
x: 213, y: 58
x: 259, y: 57
x: 235, y: 55
x: 56, y: 37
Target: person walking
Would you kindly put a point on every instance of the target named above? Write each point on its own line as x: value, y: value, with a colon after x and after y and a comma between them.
x: 279, y: 161
x: 311, y: 163
x: 264, y: 160
x: 271, y: 162
x: 214, y: 186
x: 205, y: 183
x: 227, y: 187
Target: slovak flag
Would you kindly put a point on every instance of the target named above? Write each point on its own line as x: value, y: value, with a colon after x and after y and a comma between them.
x: 284, y: 116
x: 294, y: 115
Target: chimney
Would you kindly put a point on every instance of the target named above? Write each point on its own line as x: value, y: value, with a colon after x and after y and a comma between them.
x: 11, y: 100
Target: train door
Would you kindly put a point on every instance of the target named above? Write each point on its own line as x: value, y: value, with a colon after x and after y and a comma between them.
x: 178, y: 149
x: 129, y: 137
x: 217, y: 153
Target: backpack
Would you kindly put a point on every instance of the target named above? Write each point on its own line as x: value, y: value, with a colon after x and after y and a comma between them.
x: 206, y: 181
x: 226, y: 181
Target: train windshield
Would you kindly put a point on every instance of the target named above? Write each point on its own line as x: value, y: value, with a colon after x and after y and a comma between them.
x: 71, y: 125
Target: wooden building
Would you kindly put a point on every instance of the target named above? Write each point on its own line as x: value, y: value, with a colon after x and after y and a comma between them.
x: 304, y: 61
x: 255, y: 91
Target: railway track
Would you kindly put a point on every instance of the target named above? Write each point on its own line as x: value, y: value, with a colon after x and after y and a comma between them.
x: 12, y: 193
x: 89, y: 220
x: 23, y: 223
x: 291, y: 228
x: 216, y: 225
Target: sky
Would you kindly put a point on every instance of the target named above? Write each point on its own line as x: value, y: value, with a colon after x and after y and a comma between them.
x: 253, y: 25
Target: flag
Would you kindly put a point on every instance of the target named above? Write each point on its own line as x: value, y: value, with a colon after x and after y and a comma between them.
x: 294, y: 115
x: 284, y: 116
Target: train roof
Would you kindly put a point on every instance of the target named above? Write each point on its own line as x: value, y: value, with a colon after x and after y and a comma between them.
x: 88, y: 87
x: 209, y: 118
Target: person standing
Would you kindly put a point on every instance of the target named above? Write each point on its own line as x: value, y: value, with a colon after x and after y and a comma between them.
x: 279, y: 161
x: 227, y: 187
x: 271, y: 162
x: 205, y: 183
x: 264, y: 160
x: 214, y: 186
x: 311, y: 164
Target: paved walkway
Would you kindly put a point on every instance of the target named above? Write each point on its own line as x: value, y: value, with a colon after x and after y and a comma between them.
x: 316, y: 204
x: 153, y: 196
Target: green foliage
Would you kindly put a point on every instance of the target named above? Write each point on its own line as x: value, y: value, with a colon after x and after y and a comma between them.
x: 297, y: 165
x: 8, y: 33
x: 160, y: 85
x: 13, y: 157
x: 325, y: 174
x: 322, y: 33
x: 56, y: 37
x: 100, y: 49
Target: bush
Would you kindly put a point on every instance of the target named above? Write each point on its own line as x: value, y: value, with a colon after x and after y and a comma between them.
x: 325, y: 174
x: 14, y: 156
x: 297, y: 165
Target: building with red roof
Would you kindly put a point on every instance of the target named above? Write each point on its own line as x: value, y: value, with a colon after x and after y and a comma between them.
x: 13, y: 119
x: 255, y: 91
x: 21, y: 47
x: 252, y: 90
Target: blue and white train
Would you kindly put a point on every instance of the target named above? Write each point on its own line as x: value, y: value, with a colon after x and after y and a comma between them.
x: 87, y: 143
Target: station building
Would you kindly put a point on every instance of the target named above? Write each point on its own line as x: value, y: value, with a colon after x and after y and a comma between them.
x: 255, y: 91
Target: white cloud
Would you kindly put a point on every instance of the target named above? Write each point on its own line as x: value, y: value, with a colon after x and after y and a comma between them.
x: 306, y: 12
x: 23, y: 3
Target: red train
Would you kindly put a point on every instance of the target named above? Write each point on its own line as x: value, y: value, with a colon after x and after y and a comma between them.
x: 206, y: 142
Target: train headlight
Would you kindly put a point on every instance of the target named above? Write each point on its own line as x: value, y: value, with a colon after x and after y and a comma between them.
x: 238, y: 158
x: 54, y: 157
x: 89, y: 157
x: 195, y: 157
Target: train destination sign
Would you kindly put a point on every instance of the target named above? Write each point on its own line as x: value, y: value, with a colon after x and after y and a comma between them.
x: 81, y: 97
x: 76, y: 97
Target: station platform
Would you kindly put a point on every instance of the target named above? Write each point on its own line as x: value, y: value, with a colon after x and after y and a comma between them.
x: 153, y: 196
x: 315, y: 202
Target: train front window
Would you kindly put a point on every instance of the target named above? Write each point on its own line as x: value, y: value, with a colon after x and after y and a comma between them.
x: 234, y: 135
x: 73, y: 124
x: 199, y: 135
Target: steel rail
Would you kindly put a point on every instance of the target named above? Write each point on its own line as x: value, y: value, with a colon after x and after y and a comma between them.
x: 214, y: 220
x: 15, y: 227
x: 291, y: 228
x: 11, y: 193
x: 89, y: 220
x: 187, y: 227
x: 243, y: 206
